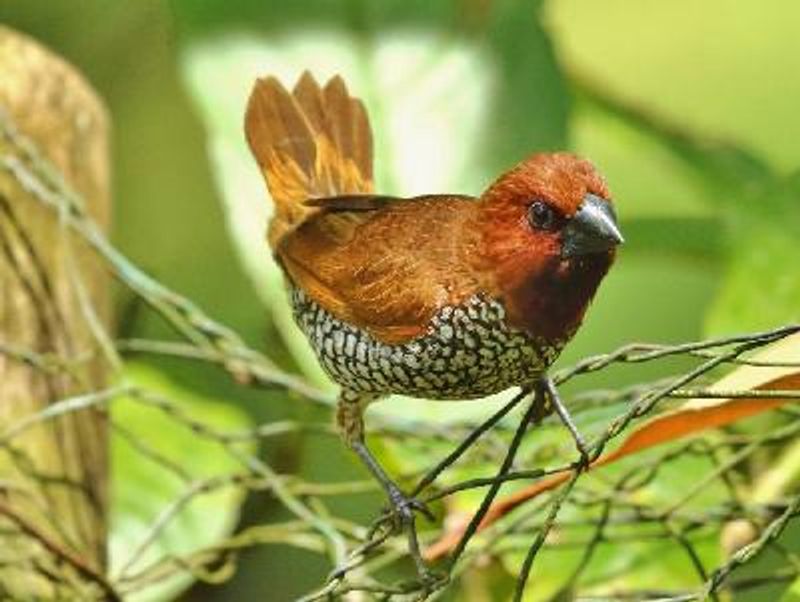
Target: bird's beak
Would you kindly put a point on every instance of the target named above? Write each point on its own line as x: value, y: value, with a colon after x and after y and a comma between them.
x: 593, y: 229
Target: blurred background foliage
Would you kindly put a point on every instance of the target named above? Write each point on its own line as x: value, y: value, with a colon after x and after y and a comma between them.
x: 689, y: 108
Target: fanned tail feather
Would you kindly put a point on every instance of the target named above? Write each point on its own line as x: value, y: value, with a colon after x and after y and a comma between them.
x: 314, y: 142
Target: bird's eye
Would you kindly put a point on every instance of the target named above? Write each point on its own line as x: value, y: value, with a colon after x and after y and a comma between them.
x: 542, y: 216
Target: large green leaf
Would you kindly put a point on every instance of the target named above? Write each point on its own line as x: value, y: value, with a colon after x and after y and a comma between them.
x: 793, y: 593
x: 144, y: 487
x: 715, y: 68
x: 761, y: 287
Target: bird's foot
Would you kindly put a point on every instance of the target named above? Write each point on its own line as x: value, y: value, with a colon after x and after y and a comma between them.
x: 399, y: 517
x: 403, y: 509
x: 584, y: 461
x: 401, y: 513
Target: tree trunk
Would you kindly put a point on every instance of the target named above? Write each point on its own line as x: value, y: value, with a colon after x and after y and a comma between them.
x: 53, y: 474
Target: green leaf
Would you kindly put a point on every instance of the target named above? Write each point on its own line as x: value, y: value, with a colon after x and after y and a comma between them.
x: 144, y: 487
x: 793, y: 593
x: 761, y: 288
x: 702, y: 65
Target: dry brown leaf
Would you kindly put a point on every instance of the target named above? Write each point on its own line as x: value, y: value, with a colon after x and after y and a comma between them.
x: 692, y: 417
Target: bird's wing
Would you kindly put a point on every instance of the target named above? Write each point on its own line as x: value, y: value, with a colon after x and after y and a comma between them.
x: 313, y: 142
x: 385, y: 265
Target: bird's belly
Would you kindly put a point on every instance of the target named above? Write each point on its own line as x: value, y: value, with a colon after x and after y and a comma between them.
x: 468, y: 351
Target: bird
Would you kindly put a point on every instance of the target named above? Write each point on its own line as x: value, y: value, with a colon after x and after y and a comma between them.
x: 438, y: 296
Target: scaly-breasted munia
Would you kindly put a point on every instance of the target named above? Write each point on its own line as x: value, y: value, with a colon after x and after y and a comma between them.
x: 438, y: 296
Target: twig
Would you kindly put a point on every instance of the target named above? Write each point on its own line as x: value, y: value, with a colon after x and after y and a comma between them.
x: 61, y: 553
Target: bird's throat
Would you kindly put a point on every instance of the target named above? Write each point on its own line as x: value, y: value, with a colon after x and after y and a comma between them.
x: 551, y: 302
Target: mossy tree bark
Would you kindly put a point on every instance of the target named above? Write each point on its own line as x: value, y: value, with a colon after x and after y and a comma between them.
x: 53, y: 301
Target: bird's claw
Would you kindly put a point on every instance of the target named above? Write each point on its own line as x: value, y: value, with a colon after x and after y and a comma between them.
x: 400, y: 514
x: 404, y: 508
x: 584, y: 461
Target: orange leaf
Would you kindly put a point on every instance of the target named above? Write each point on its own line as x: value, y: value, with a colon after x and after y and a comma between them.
x: 694, y: 416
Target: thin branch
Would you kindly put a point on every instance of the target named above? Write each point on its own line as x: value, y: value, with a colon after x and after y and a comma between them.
x: 60, y: 552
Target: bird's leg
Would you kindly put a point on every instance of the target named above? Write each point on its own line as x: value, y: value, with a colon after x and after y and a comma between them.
x: 349, y: 418
x: 547, y: 386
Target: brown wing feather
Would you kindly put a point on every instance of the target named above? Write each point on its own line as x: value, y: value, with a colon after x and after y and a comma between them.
x: 392, y: 269
x: 354, y: 202
x: 314, y: 142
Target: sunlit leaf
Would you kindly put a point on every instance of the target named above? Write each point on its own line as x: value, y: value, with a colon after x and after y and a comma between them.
x: 760, y: 289
x: 147, y: 487
x: 793, y: 593
x: 717, y: 71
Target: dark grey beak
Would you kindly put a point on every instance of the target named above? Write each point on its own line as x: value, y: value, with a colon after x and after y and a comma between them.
x: 593, y: 229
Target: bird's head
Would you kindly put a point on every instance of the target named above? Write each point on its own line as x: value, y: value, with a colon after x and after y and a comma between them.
x: 549, y: 234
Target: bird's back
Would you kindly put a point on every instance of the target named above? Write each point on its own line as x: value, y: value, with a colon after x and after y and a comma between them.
x: 387, y: 270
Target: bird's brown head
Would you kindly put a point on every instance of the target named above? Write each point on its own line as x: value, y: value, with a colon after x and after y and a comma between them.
x: 548, y: 236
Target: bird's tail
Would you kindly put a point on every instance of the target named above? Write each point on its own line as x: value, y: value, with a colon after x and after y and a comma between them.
x: 314, y: 142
